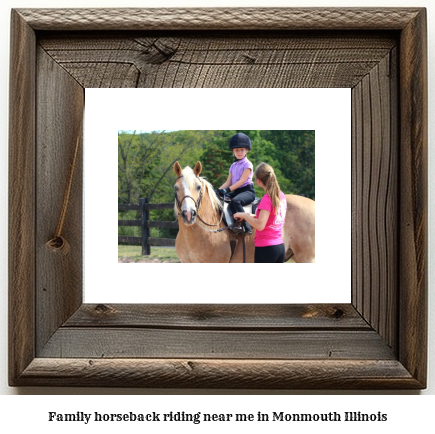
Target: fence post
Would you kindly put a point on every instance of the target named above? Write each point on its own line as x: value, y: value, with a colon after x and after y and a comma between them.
x: 145, y: 216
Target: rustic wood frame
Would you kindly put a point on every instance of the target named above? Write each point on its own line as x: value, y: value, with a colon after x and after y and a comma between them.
x: 377, y: 341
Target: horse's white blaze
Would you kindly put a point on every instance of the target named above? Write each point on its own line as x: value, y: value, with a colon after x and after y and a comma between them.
x: 187, y: 203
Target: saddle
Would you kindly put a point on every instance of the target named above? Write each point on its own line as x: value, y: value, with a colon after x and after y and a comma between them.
x: 228, y: 218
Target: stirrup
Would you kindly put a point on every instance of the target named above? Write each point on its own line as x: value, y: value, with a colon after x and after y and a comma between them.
x: 237, y: 229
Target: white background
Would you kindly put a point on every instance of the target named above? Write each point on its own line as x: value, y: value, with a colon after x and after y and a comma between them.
x: 407, y: 412
x: 327, y: 111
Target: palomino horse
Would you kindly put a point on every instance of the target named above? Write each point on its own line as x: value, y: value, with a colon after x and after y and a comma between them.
x: 199, y: 218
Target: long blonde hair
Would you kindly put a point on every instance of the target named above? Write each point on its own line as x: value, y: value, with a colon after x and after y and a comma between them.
x: 265, y: 173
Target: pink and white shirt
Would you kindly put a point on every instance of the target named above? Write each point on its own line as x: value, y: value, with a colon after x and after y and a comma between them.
x: 271, y: 235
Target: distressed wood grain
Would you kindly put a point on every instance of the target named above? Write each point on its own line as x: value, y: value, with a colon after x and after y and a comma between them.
x: 220, y: 18
x: 281, y: 317
x: 375, y: 197
x: 127, y: 342
x: 379, y: 341
x: 21, y: 260
x: 227, y: 374
x: 59, y: 278
x: 413, y: 196
x: 235, y: 60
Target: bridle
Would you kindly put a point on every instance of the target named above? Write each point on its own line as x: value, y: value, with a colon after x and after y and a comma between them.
x: 180, y: 202
x: 197, y: 205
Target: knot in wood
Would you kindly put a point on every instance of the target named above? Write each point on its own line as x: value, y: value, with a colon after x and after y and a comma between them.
x: 103, y: 309
x: 58, y: 244
x: 338, y: 313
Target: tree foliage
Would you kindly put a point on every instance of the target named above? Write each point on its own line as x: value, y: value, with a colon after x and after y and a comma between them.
x: 145, y: 159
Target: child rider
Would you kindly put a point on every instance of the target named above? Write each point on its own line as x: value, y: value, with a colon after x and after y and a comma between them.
x: 239, y: 183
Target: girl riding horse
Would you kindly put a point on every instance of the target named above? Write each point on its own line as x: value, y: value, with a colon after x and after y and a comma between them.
x: 239, y: 185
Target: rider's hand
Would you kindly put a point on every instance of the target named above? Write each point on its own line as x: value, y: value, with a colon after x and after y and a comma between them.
x: 224, y: 191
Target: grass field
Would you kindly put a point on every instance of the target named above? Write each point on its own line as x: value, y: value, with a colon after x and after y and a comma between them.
x: 158, y: 254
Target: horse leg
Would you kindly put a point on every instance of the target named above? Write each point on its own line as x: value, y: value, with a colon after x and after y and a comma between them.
x: 249, y: 249
x: 197, y: 246
x: 183, y: 254
x: 289, y: 255
x: 301, y: 253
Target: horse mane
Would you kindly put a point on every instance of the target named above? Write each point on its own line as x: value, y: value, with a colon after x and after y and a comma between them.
x: 215, y: 202
x: 189, y: 178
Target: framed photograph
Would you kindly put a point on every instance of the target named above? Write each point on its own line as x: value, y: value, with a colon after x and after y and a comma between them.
x: 376, y: 341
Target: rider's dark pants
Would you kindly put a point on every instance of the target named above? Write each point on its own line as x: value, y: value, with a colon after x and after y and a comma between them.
x: 240, y: 197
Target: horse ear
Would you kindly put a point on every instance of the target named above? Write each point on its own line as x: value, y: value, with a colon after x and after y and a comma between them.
x: 197, y: 169
x: 177, y: 168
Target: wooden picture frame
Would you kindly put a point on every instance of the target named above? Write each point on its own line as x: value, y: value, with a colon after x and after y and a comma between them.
x: 377, y: 341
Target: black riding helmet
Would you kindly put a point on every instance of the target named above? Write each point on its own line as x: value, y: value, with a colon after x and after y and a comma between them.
x: 240, y: 140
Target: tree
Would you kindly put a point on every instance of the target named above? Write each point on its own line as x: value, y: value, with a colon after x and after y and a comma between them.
x: 137, y: 157
x: 216, y: 158
x: 296, y: 156
x: 145, y: 159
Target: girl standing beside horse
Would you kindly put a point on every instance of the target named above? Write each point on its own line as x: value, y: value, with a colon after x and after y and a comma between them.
x: 269, y: 218
x: 195, y: 197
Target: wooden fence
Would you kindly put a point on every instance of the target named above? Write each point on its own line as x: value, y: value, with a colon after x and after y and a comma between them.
x: 145, y: 224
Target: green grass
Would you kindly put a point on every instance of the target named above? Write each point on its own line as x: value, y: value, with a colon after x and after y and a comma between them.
x: 158, y: 254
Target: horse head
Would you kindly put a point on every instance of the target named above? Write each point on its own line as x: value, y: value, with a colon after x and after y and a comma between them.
x: 188, y: 191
